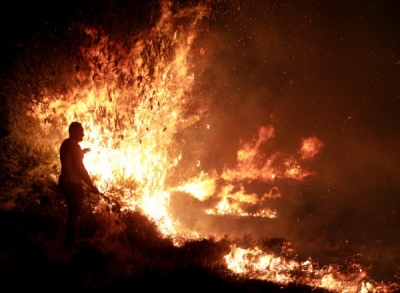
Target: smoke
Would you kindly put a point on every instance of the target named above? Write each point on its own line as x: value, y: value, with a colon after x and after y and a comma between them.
x: 325, y: 70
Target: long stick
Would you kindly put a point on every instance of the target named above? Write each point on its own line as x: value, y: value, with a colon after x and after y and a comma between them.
x: 114, y: 206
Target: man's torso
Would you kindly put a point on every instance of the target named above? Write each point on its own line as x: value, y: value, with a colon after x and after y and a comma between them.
x: 70, y: 154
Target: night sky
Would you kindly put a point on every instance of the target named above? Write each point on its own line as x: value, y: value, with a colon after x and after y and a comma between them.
x: 329, y: 69
x: 325, y: 70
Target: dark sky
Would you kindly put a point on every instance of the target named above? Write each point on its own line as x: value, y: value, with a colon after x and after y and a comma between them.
x: 329, y: 69
x: 19, y: 20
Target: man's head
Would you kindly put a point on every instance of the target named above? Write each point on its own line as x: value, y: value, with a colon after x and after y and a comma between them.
x: 76, y: 131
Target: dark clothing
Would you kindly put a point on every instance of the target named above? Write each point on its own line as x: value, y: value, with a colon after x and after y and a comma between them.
x: 71, y: 157
x: 73, y: 193
x: 73, y: 174
x: 70, y: 181
x: 74, y: 196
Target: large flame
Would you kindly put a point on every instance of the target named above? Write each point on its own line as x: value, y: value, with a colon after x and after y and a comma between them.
x: 132, y: 110
x: 137, y: 102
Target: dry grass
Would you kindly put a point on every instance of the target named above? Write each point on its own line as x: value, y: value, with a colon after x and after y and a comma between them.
x: 110, y: 254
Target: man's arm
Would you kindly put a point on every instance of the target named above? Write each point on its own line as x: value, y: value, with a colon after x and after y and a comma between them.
x: 83, y: 173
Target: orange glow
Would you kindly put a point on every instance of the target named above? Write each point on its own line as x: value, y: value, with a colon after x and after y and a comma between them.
x: 131, y: 114
x: 310, y: 147
x: 254, y: 263
x: 236, y: 203
x: 201, y: 187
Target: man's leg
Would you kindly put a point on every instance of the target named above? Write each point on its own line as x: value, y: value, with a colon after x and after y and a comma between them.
x: 72, y: 223
x: 74, y: 197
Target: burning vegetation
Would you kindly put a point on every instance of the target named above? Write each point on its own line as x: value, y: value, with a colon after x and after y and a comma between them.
x: 131, y: 82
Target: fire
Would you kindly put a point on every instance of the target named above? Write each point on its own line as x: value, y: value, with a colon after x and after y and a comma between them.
x: 236, y: 203
x: 252, y: 165
x: 311, y: 146
x: 135, y: 103
x: 201, y: 187
x: 257, y: 264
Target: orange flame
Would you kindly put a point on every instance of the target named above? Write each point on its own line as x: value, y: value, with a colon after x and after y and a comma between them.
x: 311, y: 146
x: 257, y: 264
x: 201, y: 187
x: 252, y: 164
x: 131, y: 110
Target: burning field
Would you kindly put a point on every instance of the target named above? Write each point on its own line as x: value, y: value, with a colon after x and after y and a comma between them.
x: 231, y: 140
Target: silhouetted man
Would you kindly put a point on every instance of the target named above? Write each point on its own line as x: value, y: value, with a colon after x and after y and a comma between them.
x: 73, y: 174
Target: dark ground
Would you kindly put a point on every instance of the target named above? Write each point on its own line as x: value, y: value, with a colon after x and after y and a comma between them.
x: 108, y: 257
